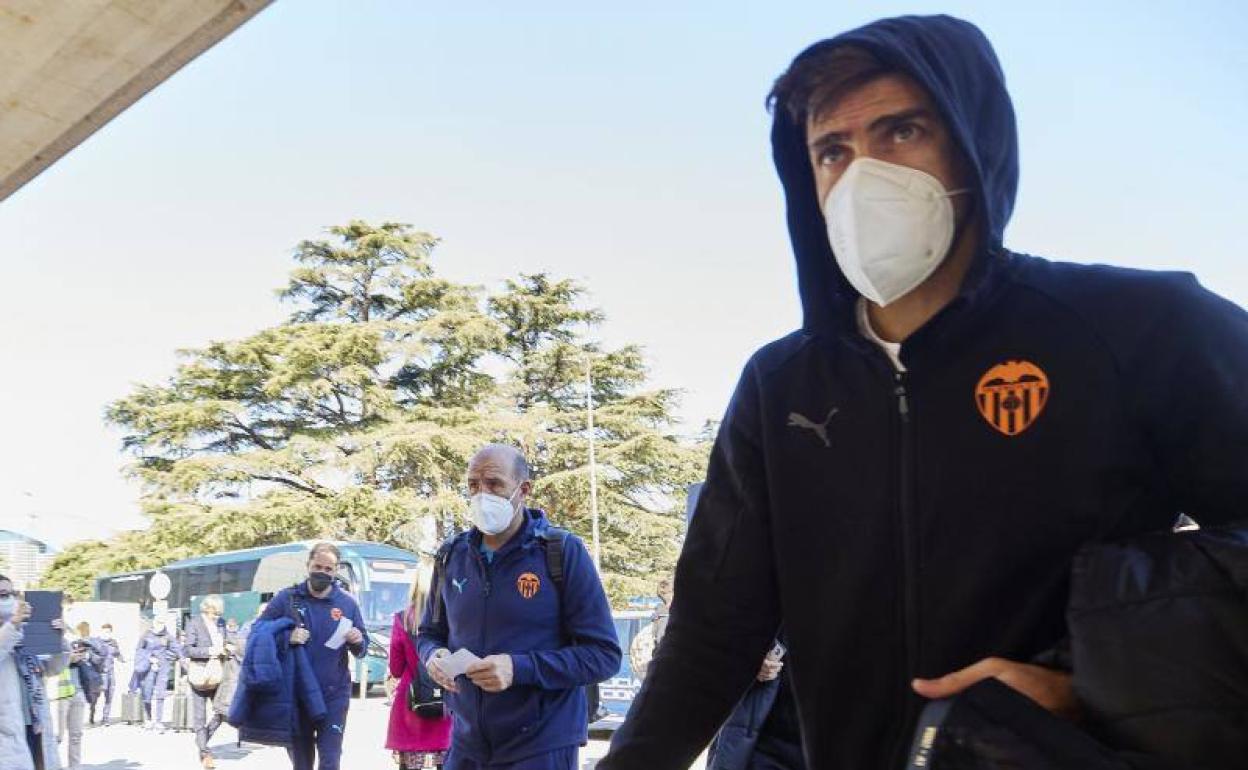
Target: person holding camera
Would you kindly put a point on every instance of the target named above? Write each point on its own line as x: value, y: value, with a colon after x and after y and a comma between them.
x: 420, y: 726
x: 27, y: 737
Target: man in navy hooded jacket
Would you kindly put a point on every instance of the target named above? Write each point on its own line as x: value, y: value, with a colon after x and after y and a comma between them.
x: 906, y: 478
x: 522, y: 706
x: 319, y: 606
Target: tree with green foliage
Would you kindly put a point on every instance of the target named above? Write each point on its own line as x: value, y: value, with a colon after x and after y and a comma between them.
x: 356, y: 417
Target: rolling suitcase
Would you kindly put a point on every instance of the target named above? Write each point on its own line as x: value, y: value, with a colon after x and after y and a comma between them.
x: 181, y: 717
x: 132, y: 708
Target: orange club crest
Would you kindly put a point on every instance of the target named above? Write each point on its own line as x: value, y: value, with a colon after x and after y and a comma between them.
x: 528, y: 585
x: 335, y: 614
x: 1011, y: 396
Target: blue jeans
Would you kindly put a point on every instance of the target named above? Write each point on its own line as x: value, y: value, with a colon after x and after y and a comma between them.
x: 559, y: 759
x: 323, y: 742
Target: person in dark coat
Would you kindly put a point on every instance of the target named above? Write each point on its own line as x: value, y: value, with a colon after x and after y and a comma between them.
x: 234, y: 642
x: 917, y: 465
x: 207, y: 647
x: 108, y: 653
x: 89, y: 674
x: 322, y: 609
x: 155, y: 660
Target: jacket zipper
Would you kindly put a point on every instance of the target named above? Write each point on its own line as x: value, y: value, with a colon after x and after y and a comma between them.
x: 909, y: 564
x: 487, y: 587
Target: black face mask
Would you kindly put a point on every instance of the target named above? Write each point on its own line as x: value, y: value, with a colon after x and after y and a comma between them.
x: 319, y: 581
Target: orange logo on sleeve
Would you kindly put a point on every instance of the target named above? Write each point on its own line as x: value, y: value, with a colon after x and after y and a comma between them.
x: 1012, y: 395
x: 528, y: 585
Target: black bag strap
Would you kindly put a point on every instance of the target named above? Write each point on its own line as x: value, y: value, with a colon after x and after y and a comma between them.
x: 298, y: 609
x: 554, y: 556
x: 440, y: 561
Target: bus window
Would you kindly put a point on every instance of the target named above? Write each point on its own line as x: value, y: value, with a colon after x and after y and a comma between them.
x: 125, y: 588
x: 198, y: 581
x: 237, y: 576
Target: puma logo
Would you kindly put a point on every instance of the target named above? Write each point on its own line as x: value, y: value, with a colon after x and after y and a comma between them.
x: 820, y: 428
x: 459, y: 584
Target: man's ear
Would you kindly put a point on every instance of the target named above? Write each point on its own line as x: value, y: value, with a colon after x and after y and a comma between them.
x: 526, y: 488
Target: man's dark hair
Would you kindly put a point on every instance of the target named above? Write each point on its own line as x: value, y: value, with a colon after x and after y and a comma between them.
x: 5, y: 579
x: 325, y: 548
x: 817, y: 81
x: 109, y: 626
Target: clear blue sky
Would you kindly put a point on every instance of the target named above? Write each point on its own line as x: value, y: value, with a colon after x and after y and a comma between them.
x: 623, y: 145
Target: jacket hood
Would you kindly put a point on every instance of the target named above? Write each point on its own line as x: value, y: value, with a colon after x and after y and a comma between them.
x: 955, y: 63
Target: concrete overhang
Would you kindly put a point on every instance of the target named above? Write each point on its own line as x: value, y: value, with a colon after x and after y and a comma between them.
x: 67, y: 67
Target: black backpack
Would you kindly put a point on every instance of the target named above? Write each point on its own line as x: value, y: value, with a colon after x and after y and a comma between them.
x: 555, y: 536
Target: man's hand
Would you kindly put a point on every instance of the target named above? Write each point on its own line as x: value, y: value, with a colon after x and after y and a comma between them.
x: 20, y: 615
x: 300, y: 636
x: 354, y: 636
x: 770, y: 669
x: 492, y: 674
x: 434, y: 667
x: 1051, y: 689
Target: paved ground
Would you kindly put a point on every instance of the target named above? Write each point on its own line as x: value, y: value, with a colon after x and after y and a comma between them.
x: 128, y: 747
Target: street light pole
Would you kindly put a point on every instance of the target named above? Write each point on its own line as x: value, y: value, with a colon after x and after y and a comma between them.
x: 593, y: 465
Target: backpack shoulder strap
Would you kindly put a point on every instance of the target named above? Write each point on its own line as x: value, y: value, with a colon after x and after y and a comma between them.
x: 297, y: 606
x: 558, y: 537
x: 440, y: 562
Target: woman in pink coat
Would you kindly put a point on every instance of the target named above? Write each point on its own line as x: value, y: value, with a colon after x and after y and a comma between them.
x: 418, y: 742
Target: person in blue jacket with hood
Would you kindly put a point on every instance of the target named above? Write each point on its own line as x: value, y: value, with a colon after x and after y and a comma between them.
x: 540, y: 640
x: 319, y: 607
x: 154, y: 661
x: 905, y: 480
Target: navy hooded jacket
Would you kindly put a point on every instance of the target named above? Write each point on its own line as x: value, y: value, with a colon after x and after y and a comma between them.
x: 277, y: 695
x: 559, y: 639
x: 933, y: 518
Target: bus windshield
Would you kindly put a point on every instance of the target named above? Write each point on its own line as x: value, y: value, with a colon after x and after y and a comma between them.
x: 389, y: 590
x: 382, y: 599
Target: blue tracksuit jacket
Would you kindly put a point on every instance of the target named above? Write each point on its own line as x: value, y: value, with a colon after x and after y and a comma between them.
x: 320, y: 617
x: 512, y: 606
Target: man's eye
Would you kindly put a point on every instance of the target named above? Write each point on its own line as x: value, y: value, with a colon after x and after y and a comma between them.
x: 831, y: 156
x: 905, y: 132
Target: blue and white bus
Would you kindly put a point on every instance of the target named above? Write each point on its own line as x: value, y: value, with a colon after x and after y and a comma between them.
x: 379, y: 576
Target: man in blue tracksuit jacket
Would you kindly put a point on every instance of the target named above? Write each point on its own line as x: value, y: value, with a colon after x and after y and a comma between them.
x: 905, y: 480
x: 319, y: 606
x: 522, y: 707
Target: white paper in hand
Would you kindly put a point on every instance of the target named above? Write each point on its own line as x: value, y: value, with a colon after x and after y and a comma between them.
x: 339, y: 636
x: 458, y: 662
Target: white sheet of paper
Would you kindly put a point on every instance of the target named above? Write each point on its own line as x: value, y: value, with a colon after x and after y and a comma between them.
x: 458, y: 662
x: 339, y: 636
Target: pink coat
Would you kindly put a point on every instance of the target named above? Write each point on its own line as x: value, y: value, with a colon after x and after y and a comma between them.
x: 407, y: 731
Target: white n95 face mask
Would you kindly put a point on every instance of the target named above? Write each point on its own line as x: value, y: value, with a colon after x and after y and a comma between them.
x: 490, y: 513
x: 890, y: 227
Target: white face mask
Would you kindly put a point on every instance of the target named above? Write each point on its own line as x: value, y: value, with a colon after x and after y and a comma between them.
x: 890, y: 227
x: 490, y: 513
x: 8, y: 606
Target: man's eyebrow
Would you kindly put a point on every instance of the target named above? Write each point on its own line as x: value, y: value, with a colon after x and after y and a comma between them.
x: 889, y: 120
